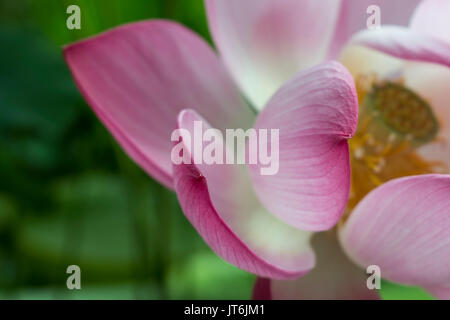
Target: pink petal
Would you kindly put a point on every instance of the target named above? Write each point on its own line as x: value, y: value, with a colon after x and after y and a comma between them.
x: 432, y: 18
x: 404, y: 228
x: 335, y: 277
x: 315, y: 112
x: 219, y: 202
x: 362, y: 61
x: 442, y: 293
x: 138, y: 77
x: 405, y: 44
x: 353, y: 18
x: 265, y: 42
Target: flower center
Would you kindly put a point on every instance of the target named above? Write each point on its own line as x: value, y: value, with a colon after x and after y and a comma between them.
x: 402, y: 111
x: 393, y: 122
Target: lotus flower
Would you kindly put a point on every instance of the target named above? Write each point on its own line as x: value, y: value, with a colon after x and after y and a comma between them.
x: 349, y: 193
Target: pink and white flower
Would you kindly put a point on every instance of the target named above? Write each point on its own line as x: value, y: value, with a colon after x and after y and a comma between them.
x: 145, y: 79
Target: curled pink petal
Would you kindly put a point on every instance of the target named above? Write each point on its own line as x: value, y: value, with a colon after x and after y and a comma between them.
x: 315, y: 112
x: 431, y: 17
x: 403, y: 227
x: 405, y: 44
x: 334, y: 277
x: 138, y: 77
x: 265, y: 42
x: 219, y: 202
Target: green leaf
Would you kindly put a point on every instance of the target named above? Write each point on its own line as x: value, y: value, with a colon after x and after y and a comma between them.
x: 121, y: 291
x: 393, y: 291
x: 206, y: 276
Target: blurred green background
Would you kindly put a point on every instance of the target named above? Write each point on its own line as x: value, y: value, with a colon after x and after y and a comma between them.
x: 69, y: 195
